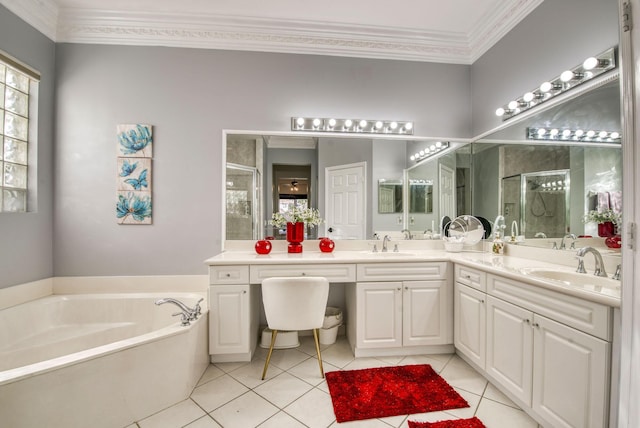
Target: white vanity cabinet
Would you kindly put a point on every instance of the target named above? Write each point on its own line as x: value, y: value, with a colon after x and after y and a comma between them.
x: 405, y: 316
x: 469, y: 310
x: 538, y: 349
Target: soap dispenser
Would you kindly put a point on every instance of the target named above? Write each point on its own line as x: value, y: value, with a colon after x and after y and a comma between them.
x: 497, y: 246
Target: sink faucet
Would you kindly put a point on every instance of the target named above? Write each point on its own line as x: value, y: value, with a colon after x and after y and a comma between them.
x: 497, y: 227
x: 188, y: 314
x: 385, y: 241
x: 407, y: 234
x: 514, y: 231
x: 573, y: 243
x: 599, y: 270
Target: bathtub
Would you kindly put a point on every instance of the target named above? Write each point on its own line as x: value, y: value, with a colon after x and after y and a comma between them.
x: 99, y: 360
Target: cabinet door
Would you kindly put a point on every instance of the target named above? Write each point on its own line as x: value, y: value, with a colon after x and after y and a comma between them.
x: 229, y: 319
x: 379, y: 314
x: 426, y: 313
x: 571, y: 372
x: 470, y: 323
x: 510, y: 347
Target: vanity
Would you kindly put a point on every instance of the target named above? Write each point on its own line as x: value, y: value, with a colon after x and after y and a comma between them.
x: 546, y: 343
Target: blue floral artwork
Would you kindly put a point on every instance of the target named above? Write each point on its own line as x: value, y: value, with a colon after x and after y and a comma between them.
x: 135, y: 140
x: 134, y: 174
x: 133, y: 208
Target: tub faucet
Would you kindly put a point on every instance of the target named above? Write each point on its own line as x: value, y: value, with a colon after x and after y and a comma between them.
x: 385, y: 241
x: 188, y: 314
x: 599, y: 270
x: 573, y: 243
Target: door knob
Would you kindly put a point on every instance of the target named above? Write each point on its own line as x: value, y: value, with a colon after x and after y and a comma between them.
x: 330, y: 230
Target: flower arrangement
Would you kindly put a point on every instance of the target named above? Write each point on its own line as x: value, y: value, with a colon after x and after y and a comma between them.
x: 309, y: 216
x: 602, y: 217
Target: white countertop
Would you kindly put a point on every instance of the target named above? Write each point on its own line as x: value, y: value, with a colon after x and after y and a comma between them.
x: 504, y: 265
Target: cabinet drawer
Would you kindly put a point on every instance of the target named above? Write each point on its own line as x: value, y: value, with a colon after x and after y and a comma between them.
x: 590, y: 317
x: 333, y: 272
x: 471, y: 277
x: 236, y: 274
x: 401, y: 271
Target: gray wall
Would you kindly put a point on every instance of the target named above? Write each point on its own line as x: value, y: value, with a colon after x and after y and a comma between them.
x: 557, y: 35
x: 190, y: 96
x: 26, y: 239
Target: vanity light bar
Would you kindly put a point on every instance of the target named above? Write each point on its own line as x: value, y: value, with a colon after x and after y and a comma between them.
x: 363, y: 126
x: 557, y: 134
x: 590, y: 68
x: 427, y: 152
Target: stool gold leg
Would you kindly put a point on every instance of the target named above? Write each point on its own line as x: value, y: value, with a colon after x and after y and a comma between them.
x: 274, y: 333
x: 315, y: 336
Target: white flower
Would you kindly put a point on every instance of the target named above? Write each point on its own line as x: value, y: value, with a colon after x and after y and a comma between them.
x: 602, y: 217
x: 309, y: 216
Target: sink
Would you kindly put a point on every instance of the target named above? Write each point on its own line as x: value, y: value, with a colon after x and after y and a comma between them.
x: 572, y: 278
x: 388, y: 254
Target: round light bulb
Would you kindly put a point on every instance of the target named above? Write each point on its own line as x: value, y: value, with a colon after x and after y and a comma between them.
x: 421, y: 152
x: 300, y: 121
x: 591, y: 134
x: 603, y: 134
x: 513, y: 105
x: 554, y: 132
x: 566, y: 76
x: 590, y: 63
x: 316, y: 122
x: 332, y: 122
x: 528, y: 97
x: 378, y: 125
x: 439, y: 144
x: 541, y: 132
x: 393, y: 125
x: 546, y: 87
x: 579, y: 133
x: 362, y: 123
x: 500, y: 112
x: 417, y: 155
x: 432, y: 148
x: 614, y: 135
x: 412, y: 158
x: 408, y: 126
x: 566, y: 133
x: 348, y: 123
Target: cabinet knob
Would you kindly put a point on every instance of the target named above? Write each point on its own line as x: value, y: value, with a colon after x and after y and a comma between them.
x: 244, y: 291
x: 228, y: 275
x: 303, y: 274
x: 399, y: 288
x: 536, y: 325
x: 406, y: 288
x: 526, y: 320
x: 481, y: 300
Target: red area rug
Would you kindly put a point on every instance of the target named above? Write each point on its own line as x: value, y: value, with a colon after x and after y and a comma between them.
x: 455, y: 423
x: 390, y: 391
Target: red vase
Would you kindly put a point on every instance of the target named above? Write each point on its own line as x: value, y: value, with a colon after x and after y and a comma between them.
x: 613, y: 241
x: 606, y: 229
x: 295, y: 236
x: 326, y: 245
x: 263, y: 246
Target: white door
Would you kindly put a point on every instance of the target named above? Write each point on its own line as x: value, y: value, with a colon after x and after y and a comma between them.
x: 447, y: 191
x: 510, y: 347
x: 229, y: 319
x: 426, y: 313
x: 345, y: 201
x: 469, y: 323
x: 379, y: 314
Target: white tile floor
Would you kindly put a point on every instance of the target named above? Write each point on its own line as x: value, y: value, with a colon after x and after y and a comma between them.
x: 231, y: 395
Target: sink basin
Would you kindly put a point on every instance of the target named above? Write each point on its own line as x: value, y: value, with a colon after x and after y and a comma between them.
x: 388, y: 254
x: 572, y: 278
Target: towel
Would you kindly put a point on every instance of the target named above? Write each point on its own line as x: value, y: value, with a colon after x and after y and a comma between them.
x: 603, y: 201
x: 615, y: 201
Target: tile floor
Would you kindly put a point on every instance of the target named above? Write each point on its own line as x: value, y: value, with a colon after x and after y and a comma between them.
x: 231, y: 395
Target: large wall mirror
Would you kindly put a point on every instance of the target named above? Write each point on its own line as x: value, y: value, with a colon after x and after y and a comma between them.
x: 502, y: 173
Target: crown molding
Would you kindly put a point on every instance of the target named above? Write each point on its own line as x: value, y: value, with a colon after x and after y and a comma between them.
x: 269, y: 35
x: 40, y: 14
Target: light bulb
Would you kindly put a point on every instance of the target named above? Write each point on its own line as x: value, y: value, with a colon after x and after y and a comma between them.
x: 378, y: 125
x: 614, y: 135
x: 579, y: 133
x: 528, y: 97
x: 300, y: 121
x: 554, y: 132
x: 417, y: 155
x: 412, y: 158
x: 432, y: 148
x: 546, y: 87
x: 408, y: 126
x: 439, y: 144
x: 332, y: 122
x: 513, y: 105
x: 362, y: 123
x: 500, y: 112
x: 566, y: 76
x: 590, y: 63
x: 421, y: 152
x: 602, y: 134
x: 316, y: 122
x: 541, y: 132
x: 393, y: 125
x: 566, y: 133
x: 348, y: 123
x: 591, y: 134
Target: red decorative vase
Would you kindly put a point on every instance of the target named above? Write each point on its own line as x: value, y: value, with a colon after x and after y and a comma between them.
x: 295, y: 236
x: 613, y: 241
x: 263, y: 246
x: 606, y: 229
x: 326, y: 245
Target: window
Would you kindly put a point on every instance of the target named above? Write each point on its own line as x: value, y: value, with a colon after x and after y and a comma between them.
x: 18, y: 86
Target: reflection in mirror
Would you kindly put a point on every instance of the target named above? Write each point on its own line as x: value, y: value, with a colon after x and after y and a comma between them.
x: 420, y: 196
x: 545, y: 203
x: 389, y: 196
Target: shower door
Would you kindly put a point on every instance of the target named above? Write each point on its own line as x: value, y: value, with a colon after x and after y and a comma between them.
x: 242, y: 200
x: 545, y: 203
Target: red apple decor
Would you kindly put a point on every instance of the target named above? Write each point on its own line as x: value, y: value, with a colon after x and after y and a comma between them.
x: 263, y: 246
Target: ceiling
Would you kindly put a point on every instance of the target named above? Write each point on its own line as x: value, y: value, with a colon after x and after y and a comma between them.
x: 448, y: 31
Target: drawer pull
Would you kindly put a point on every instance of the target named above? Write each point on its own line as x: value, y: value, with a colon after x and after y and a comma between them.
x: 467, y: 277
x: 304, y: 274
x: 536, y: 325
x: 228, y: 275
x: 526, y: 320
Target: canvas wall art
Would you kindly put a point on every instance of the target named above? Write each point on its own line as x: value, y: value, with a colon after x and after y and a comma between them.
x: 134, y: 174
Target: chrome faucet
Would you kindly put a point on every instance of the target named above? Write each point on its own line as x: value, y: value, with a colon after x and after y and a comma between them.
x: 514, y: 231
x: 616, y: 275
x: 599, y: 270
x: 573, y: 243
x: 385, y: 241
x: 188, y: 314
x: 541, y: 235
x: 497, y: 227
x: 407, y: 234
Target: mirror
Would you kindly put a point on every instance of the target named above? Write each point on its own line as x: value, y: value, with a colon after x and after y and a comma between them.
x: 420, y: 196
x: 390, y: 196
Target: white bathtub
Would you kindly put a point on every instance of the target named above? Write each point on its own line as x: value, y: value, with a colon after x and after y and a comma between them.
x: 99, y: 360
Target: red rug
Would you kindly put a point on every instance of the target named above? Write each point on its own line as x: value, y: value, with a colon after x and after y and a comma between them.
x: 390, y: 391
x: 455, y: 423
